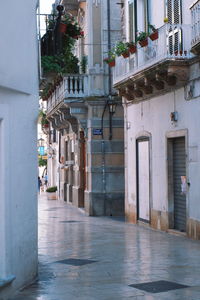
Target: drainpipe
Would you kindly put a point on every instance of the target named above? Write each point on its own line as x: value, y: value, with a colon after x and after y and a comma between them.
x: 109, y: 47
x: 109, y: 69
x: 105, y: 107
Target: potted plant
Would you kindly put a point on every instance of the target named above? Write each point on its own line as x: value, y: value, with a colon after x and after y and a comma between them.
x: 62, y: 27
x: 51, y: 193
x: 122, y: 49
x: 44, y: 121
x: 154, y: 35
x: 142, y: 39
x: 110, y: 60
x: 132, y: 47
x: 66, y: 19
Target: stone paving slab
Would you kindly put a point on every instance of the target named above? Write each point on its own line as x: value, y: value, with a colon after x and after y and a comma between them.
x: 123, y: 254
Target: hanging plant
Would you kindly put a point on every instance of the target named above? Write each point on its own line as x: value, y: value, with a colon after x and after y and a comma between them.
x: 110, y: 60
x: 154, y: 35
x: 132, y: 47
x: 122, y: 49
x: 142, y: 39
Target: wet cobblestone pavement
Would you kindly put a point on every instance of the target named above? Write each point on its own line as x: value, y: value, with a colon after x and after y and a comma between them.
x: 91, y: 258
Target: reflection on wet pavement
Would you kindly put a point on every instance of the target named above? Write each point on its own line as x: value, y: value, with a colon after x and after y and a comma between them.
x: 107, y: 256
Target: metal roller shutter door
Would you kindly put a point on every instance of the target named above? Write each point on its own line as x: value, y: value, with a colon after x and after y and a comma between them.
x: 179, y: 169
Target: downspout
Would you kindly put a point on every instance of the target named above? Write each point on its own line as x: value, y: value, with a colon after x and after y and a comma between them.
x: 106, y: 104
x: 109, y: 69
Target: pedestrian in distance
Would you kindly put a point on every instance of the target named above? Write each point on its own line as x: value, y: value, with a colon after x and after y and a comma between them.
x: 46, y: 179
x: 39, y: 184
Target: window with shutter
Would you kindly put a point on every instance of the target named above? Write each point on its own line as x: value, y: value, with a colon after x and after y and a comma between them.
x: 169, y: 11
x: 173, y: 9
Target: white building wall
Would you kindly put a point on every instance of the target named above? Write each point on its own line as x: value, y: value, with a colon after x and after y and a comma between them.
x: 153, y: 117
x: 18, y: 143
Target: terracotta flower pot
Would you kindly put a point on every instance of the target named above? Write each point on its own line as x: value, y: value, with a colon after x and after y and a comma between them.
x: 62, y: 27
x: 132, y: 49
x: 154, y: 36
x: 111, y: 63
x: 144, y: 43
x: 126, y: 54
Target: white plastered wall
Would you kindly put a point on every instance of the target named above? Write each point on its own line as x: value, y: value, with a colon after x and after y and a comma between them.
x: 153, y: 116
x: 18, y: 143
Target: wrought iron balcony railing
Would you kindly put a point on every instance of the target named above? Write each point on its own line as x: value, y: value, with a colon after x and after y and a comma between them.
x: 173, y: 43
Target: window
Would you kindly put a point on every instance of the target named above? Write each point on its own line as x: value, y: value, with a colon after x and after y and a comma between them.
x: 174, y: 15
x: 138, y: 17
x: 173, y: 11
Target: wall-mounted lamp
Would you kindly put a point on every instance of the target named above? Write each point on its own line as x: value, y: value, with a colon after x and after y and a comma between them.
x: 112, y: 107
x: 41, y: 142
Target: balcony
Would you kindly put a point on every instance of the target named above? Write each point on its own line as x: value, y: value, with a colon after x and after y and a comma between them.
x: 72, y: 87
x: 158, y: 66
x: 195, y: 14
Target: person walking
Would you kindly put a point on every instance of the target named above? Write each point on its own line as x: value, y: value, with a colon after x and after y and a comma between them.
x: 46, y: 179
x: 39, y: 184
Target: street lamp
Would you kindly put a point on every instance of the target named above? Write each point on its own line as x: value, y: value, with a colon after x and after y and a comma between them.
x: 112, y: 107
x: 41, y: 146
x: 41, y: 142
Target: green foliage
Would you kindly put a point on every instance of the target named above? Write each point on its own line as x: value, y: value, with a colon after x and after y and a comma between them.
x: 46, y: 91
x: 52, y: 63
x: 131, y: 44
x: 73, y: 29
x: 152, y: 28
x: 83, y: 64
x: 120, y: 48
x: 142, y: 36
x: 43, y: 118
x: 66, y: 62
x: 51, y: 189
x: 111, y: 56
x: 42, y: 162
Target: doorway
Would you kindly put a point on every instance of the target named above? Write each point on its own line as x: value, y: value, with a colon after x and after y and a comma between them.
x: 143, y: 180
x: 82, y: 168
x: 176, y: 173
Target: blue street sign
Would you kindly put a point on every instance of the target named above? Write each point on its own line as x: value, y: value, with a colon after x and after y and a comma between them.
x: 97, y: 131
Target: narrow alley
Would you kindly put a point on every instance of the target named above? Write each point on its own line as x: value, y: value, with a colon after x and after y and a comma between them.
x: 91, y: 258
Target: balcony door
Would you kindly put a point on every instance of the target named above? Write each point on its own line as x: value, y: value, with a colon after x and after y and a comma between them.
x: 138, y: 17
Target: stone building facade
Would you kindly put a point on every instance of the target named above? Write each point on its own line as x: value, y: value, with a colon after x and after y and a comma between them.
x: 86, y: 116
